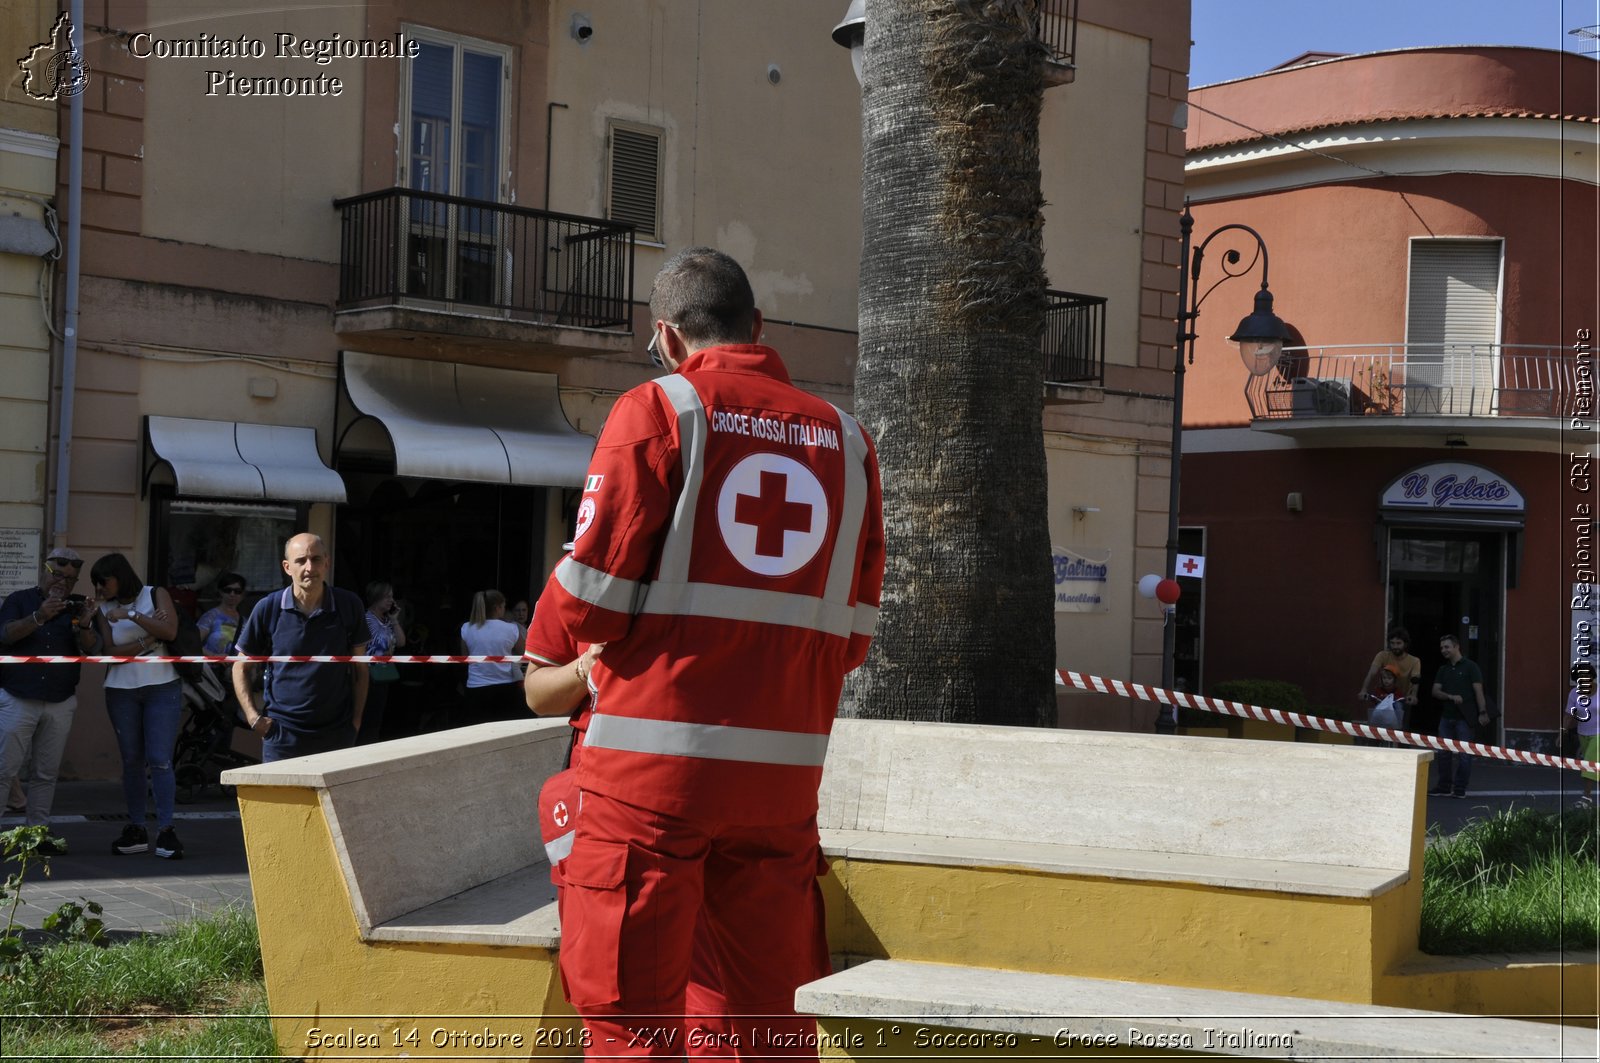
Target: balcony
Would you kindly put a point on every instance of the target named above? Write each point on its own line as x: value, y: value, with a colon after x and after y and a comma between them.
x: 1496, y: 387
x: 1057, y: 23
x: 423, y: 265
x: 1074, y: 346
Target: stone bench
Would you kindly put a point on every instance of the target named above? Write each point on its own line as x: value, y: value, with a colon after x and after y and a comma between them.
x: 404, y: 882
x: 1149, y: 858
x: 901, y: 1009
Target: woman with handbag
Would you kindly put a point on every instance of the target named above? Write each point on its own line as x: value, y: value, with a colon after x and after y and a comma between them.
x: 144, y: 701
x: 388, y: 635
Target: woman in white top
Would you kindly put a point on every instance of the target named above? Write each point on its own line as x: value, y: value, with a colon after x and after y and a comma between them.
x: 144, y: 701
x: 494, y: 691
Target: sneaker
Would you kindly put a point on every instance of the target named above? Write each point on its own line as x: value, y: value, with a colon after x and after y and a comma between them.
x: 1439, y: 791
x: 1459, y: 793
x: 168, y: 847
x: 1584, y: 801
x: 132, y: 840
x: 52, y: 847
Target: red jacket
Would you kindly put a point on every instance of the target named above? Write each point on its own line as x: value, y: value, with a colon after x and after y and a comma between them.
x: 729, y: 553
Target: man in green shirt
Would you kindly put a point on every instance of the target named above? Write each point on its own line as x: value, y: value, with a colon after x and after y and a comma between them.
x: 1458, y: 690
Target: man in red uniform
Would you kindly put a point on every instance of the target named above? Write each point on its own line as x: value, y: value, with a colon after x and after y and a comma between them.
x: 729, y: 553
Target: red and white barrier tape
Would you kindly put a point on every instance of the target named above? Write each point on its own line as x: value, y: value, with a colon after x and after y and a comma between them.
x: 1100, y: 685
x: 436, y: 658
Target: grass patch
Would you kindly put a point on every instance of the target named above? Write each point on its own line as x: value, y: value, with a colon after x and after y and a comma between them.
x: 191, y: 993
x: 1520, y: 881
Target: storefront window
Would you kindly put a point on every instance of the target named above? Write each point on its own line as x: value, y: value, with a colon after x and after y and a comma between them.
x: 195, y: 542
x: 1434, y: 555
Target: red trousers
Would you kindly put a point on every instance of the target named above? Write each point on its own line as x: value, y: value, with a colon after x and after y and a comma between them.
x: 651, y: 898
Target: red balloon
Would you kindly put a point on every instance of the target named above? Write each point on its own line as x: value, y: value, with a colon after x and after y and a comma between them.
x: 1167, y: 591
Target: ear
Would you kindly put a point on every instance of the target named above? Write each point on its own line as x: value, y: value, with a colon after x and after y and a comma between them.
x: 755, y: 331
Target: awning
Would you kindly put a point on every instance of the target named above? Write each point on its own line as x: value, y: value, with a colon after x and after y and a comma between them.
x: 450, y: 421
x: 230, y: 459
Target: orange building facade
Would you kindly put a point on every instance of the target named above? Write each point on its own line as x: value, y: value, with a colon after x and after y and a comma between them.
x: 1420, y: 455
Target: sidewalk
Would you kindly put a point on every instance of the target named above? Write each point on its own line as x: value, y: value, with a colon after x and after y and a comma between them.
x: 143, y: 893
x: 140, y: 892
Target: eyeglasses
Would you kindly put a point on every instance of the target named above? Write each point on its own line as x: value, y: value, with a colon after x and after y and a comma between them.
x: 654, y: 351
x: 61, y: 562
x: 232, y: 590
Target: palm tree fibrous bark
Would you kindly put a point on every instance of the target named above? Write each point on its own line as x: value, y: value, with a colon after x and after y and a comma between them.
x: 950, y: 378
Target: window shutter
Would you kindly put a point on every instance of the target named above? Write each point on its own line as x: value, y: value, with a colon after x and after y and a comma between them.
x: 635, y: 180
x: 1453, y: 320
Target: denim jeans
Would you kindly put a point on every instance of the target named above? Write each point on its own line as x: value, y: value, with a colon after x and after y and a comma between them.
x: 1462, y: 731
x: 34, y: 732
x: 146, y: 721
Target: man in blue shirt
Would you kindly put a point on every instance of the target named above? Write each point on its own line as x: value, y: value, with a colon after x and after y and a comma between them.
x: 37, y: 700
x: 308, y: 708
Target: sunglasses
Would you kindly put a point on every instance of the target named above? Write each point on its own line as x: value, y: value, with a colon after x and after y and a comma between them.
x: 61, y: 562
x: 232, y: 590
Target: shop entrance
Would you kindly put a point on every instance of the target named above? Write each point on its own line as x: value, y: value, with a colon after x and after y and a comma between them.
x: 438, y: 543
x: 1448, y: 582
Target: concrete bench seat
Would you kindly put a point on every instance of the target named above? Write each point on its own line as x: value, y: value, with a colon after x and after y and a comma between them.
x: 1222, y: 872
x: 1052, y: 1014
x: 404, y: 881
x: 514, y: 909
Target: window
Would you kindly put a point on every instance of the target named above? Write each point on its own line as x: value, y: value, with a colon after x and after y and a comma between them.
x: 454, y: 108
x: 1452, y: 326
x: 194, y: 542
x: 633, y: 179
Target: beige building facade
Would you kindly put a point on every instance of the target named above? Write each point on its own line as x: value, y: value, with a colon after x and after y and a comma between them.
x: 359, y: 269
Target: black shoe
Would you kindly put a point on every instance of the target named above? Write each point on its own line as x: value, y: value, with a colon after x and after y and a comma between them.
x: 1439, y: 791
x: 1459, y: 793
x: 168, y: 847
x: 52, y: 847
x: 132, y: 840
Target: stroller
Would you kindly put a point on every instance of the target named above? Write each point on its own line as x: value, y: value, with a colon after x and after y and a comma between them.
x: 205, y: 741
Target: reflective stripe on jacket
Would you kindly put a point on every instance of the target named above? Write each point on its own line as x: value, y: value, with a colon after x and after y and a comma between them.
x: 730, y: 554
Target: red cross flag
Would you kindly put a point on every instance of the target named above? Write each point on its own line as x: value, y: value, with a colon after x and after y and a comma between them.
x: 1191, y: 565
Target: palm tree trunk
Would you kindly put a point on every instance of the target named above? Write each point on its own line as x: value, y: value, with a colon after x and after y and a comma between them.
x: 949, y: 380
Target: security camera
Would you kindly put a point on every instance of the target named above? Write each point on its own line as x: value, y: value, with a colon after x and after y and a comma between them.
x: 582, y: 28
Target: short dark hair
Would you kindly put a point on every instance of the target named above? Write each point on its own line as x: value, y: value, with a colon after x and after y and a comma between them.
x: 116, y: 566
x: 706, y: 294
x: 232, y: 579
x: 377, y: 591
x: 1400, y: 633
x: 1450, y: 638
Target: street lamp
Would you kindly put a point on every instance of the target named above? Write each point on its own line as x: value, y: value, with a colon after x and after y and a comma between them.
x: 1260, y: 338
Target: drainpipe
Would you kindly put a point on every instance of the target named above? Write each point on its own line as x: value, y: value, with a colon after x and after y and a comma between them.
x: 549, y: 135
x: 69, y: 344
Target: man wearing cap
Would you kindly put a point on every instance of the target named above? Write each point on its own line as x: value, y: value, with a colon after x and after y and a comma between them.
x: 37, y: 700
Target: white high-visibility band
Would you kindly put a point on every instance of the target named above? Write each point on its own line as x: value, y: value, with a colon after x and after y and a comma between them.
x: 692, y: 431
x: 559, y: 848
x: 745, y: 603
x: 866, y: 619
x: 598, y: 588
x: 853, y: 508
x: 706, y: 741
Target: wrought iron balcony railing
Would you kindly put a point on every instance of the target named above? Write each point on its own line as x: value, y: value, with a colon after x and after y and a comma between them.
x: 1074, y: 343
x: 1452, y: 380
x: 1058, y: 29
x: 400, y: 247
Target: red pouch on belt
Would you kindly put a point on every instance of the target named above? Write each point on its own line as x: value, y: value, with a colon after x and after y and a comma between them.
x: 558, y: 815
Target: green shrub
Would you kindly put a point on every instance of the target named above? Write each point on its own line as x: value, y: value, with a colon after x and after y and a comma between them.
x: 1267, y: 693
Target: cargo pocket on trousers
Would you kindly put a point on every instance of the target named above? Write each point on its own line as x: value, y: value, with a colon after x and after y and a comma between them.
x: 591, y: 924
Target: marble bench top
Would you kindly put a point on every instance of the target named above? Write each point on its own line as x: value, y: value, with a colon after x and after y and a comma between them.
x: 1048, y: 1012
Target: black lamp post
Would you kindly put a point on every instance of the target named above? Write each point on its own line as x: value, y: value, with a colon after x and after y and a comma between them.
x: 1260, y: 338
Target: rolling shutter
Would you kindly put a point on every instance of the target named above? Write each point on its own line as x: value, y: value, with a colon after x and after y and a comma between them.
x: 1453, y: 325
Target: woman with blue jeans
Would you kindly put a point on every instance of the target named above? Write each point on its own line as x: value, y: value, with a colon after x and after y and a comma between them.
x: 144, y: 701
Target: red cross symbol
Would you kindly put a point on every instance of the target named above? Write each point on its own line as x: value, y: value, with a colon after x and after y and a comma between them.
x: 771, y: 513
x: 559, y: 813
x: 1189, y: 566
